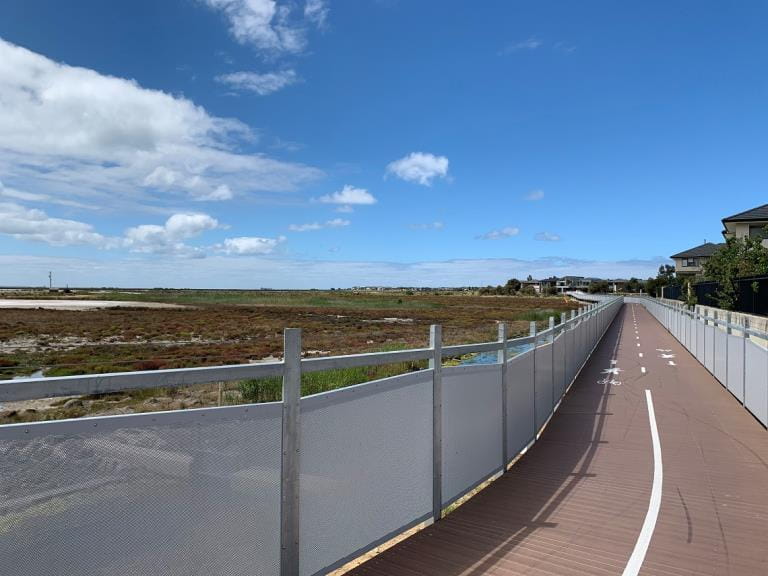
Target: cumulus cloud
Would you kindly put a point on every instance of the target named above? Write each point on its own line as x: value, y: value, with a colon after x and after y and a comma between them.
x: 547, y: 237
x: 535, y: 195
x: 335, y: 223
x: 261, y: 84
x: 437, y: 225
x: 84, y: 135
x: 269, y: 26
x: 170, y: 237
x: 249, y: 245
x: 501, y: 233
x: 419, y: 167
x: 36, y: 226
x: 348, y: 196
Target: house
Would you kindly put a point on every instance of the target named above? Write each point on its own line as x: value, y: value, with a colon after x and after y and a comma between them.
x: 691, y: 262
x: 748, y: 223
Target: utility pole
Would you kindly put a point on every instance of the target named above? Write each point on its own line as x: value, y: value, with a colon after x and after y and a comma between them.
x: 50, y: 280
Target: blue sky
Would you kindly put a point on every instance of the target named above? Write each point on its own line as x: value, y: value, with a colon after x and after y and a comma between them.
x: 235, y: 143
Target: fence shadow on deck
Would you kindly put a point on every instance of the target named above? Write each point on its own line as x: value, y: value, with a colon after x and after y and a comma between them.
x: 475, y: 537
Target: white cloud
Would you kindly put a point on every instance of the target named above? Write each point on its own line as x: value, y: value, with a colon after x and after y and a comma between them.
x: 26, y: 196
x: 249, y: 245
x: 420, y: 167
x: 348, y: 196
x: 170, y: 237
x: 335, y: 223
x: 220, y: 271
x: 345, y: 209
x: 35, y: 225
x: 261, y: 84
x: 428, y: 226
x: 531, y: 43
x: 506, y: 232
x: 535, y: 195
x: 268, y: 26
x: 75, y: 133
x: 316, y: 11
x: 547, y: 237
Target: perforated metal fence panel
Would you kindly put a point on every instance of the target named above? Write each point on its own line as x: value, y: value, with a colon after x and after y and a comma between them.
x: 472, y: 427
x: 736, y: 366
x: 544, y: 389
x: 756, y: 381
x: 709, y: 347
x: 570, y: 352
x: 177, y: 493
x: 559, y: 353
x: 520, y: 420
x: 721, y: 356
x: 366, y: 467
x: 700, y: 345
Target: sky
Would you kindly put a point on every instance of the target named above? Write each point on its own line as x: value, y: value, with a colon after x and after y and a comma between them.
x: 320, y: 143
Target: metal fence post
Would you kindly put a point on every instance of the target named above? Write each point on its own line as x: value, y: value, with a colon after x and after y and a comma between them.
x: 535, y: 342
x: 291, y: 443
x: 436, y: 365
x: 502, y: 359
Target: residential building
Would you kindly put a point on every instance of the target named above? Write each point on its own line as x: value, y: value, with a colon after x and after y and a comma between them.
x: 691, y: 262
x: 750, y: 223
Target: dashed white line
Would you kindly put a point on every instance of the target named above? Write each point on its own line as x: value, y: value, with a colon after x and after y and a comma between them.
x: 638, y: 344
x: 646, y: 532
x: 642, y: 369
x: 640, y: 354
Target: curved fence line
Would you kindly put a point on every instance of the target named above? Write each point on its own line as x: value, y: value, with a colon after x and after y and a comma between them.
x: 297, y: 487
x: 722, y: 347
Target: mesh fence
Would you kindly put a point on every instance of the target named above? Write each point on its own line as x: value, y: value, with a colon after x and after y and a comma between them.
x: 520, y: 420
x: 736, y: 366
x: 472, y: 427
x: 366, y: 467
x: 180, y: 493
x: 756, y: 381
x: 544, y: 389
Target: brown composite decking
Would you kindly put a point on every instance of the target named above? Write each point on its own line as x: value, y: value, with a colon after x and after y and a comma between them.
x: 575, y: 503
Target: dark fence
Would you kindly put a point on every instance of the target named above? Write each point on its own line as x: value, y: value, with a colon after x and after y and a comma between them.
x: 752, y: 294
x: 671, y: 292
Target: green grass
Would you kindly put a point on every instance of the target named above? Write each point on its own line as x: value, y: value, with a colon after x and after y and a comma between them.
x: 270, y: 389
x: 319, y: 299
x: 538, y: 315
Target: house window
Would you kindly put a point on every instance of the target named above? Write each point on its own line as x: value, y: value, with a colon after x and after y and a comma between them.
x: 690, y: 262
x: 757, y: 231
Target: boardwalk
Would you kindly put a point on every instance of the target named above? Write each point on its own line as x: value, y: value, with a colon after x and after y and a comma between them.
x: 577, y: 503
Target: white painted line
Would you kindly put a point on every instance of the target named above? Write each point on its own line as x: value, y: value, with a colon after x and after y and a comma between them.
x: 671, y: 363
x: 640, y: 354
x: 638, y: 344
x: 637, y: 337
x: 642, y: 369
x: 646, y: 532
